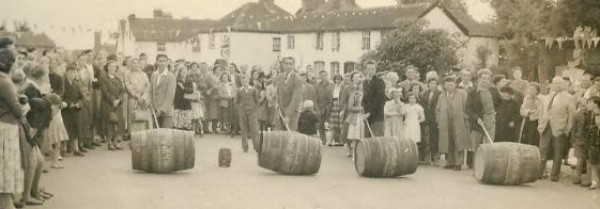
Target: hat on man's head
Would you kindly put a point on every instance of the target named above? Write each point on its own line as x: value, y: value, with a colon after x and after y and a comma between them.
x: 449, y: 79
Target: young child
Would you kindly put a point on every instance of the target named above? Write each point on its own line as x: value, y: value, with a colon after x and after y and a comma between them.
x: 308, y: 121
x: 393, y: 114
x: 56, y: 132
x: 578, y: 136
x: 413, y: 117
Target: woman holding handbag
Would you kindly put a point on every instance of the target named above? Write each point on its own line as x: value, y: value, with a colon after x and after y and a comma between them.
x: 111, y: 106
x: 137, y: 84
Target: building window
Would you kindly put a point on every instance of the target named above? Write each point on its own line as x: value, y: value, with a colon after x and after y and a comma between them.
x: 349, y: 67
x: 225, y: 46
x: 277, y: 44
x: 335, y: 69
x: 366, y: 40
x: 335, y: 42
x: 211, y: 41
x: 319, y: 66
x: 319, y: 41
x: 161, y: 47
x: 385, y: 34
x: 291, y: 42
x: 196, y: 44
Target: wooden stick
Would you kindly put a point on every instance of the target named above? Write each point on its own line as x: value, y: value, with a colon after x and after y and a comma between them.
x: 369, y: 127
x: 485, y: 132
x: 522, y: 127
x: 155, y: 118
x: 283, y: 119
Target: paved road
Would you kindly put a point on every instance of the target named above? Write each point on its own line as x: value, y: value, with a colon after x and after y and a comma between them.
x: 104, y: 180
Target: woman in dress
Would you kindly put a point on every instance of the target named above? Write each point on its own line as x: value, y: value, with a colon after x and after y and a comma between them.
x: 226, y: 90
x: 355, y: 118
x: 137, y: 84
x: 195, y: 77
x: 111, y: 107
x: 393, y: 112
x: 414, y: 115
x: 56, y: 132
x: 271, y: 99
x: 10, y: 116
x: 531, y: 113
x: 212, y: 99
x: 335, y: 118
x: 257, y: 81
x: 183, y: 107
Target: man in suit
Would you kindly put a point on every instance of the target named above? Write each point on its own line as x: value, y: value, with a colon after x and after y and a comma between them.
x: 289, y: 94
x: 324, y: 100
x: 556, y: 120
x: 428, y: 100
x: 162, y: 92
x: 374, y: 99
x: 480, y: 109
x: 247, y: 103
x: 411, y: 79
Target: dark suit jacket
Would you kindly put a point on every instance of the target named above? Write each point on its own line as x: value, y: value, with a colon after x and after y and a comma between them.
x: 324, y: 98
x: 429, y: 105
x: 374, y: 99
x: 247, y: 100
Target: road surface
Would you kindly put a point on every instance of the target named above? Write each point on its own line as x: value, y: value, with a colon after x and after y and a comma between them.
x: 104, y: 180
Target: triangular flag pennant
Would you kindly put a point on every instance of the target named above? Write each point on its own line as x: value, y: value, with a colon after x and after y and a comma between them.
x: 560, y: 42
x: 596, y: 40
x: 549, y: 42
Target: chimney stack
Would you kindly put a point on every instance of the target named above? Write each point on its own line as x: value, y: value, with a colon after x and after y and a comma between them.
x: 309, y: 6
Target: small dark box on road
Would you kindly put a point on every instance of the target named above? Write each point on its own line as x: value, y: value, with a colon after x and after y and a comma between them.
x: 224, y: 157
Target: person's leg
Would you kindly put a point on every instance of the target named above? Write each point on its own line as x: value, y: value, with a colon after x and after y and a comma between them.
x: 55, y: 155
x: 253, y: 130
x: 426, y: 153
x: 433, y: 142
x: 558, y: 145
x: 244, y: 126
x: 35, y: 186
x: 167, y: 121
x: 378, y: 128
x: 321, y: 131
x: 6, y: 201
x: 545, y: 145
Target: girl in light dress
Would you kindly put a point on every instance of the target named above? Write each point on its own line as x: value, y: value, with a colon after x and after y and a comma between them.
x: 56, y: 132
x: 355, y: 112
x: 413, y: 117
x: 195, y: 76
x: 394, y: 114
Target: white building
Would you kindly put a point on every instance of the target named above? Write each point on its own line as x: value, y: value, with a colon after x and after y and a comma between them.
x: 330, y: 35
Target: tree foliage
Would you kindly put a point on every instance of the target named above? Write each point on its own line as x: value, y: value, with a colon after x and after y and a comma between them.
x: 522, y: 24
x: 412, y: 44
x: 569, y: 14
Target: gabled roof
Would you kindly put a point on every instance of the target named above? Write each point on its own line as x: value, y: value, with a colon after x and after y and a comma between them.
x: 249, y: 14
x: 470, y: 26
x: 166, y: 29
x: 30, y: 39
x: 372, y: 18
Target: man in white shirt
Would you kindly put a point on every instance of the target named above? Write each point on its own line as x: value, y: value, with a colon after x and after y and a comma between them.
x: 162, y: 92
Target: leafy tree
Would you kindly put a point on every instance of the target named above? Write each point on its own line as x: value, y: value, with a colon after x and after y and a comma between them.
x: 522, y: 24
x: 569, y: 14
x: 412, y: 44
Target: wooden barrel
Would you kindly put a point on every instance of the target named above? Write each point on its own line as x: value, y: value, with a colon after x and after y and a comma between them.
x: 507, y: 163
x: 290, y: 153
x: 162, y: 150
x: 224, y: 157
x: 385, y: 157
